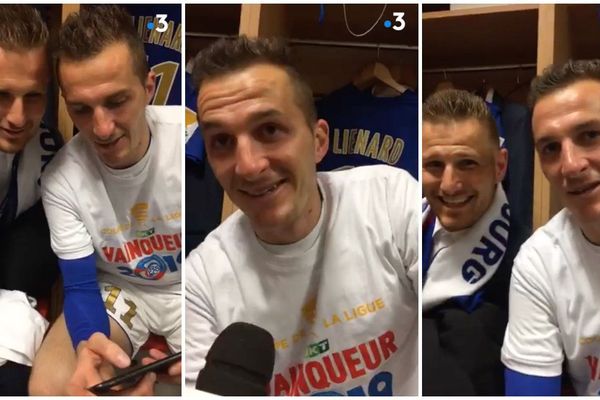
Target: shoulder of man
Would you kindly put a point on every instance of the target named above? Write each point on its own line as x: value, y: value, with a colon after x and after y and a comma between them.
x: 73, y: 153
x: 165, y: 114
x: 368, y: 173
x: 555, y: 230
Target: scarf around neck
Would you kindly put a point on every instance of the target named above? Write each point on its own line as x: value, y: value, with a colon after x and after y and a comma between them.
x: 457, y: 265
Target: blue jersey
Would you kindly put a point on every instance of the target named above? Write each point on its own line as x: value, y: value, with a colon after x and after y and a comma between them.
x: 365, y: 129
x: 162, y: 48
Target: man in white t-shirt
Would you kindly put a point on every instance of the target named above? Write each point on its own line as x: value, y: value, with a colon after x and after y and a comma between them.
x: 555, y: 287
x: 113, y: 200
x: 327, y: 263
x: 27, y: 264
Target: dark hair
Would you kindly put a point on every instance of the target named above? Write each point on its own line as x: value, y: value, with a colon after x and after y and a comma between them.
x: 22, y: 27
x: 558, y: 76
x: 459, y: 105
x: 87, y: 33
x: 230, y: 55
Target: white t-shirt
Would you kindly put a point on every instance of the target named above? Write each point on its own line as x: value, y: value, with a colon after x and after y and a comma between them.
x: 341, y: 303
x: 37, y: 153
x: 22, y: 330
x: 555, y: 306
x: 130, y: 217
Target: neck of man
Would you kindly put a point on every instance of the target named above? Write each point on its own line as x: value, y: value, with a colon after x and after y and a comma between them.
x: 299, y: 228
x: 591, y: 231
x: 142, y: 149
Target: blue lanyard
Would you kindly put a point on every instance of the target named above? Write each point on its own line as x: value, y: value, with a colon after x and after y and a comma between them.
x: 8, y: 208
x: 428, y: 226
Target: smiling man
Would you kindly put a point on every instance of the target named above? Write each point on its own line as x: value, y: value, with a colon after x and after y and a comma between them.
x: 113, y: 200
x: 555, y: 287
x: 326, y: 262
x: 469, y: 242
x: 27, y: 264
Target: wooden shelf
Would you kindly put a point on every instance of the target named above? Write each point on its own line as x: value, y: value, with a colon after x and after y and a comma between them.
x: 495, y: 10
x: 584, y: 28
x: 496, y: 35
x: 223, y: 19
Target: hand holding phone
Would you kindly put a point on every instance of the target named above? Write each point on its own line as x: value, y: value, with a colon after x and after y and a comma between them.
x: 96, y: 359
x: 131, y: 377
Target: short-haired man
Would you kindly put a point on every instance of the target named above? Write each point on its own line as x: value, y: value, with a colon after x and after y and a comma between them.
x: 27, y: 265
x: 112, y: 197
x: 555, y: 286
x: 469, y: 242
x: 327, y: 263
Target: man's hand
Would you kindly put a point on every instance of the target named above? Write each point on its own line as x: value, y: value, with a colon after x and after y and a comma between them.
x: 173, y: 374
x: 96, y: 359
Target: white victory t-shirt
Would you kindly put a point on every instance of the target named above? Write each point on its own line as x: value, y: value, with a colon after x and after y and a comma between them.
x: 554, y: 306
x: 341, y: 303
x: 130, y: 217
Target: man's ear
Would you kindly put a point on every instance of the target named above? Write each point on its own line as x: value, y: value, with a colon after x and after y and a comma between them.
x: 150, y: 85
x: 501, y: 164
x: 321, y: 132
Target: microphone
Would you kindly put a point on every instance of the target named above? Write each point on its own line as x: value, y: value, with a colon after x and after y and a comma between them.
x: 239, y: 363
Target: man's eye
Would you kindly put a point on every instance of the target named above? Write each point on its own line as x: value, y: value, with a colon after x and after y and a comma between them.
x: 34, y: 96
x: 433, y: 165
x: 115, y: 103
x: 550, y: 149
x: 270, y: 131
x: 467, y: 164
x: 221, y: 142
x: 80, y: 110
x: 591, y: 135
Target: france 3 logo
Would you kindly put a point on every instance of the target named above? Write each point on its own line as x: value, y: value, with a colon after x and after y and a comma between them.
x: 161, y: 25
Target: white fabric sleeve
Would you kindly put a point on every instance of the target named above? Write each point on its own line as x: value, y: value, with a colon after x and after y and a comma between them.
x: 404, y: 201
x: 200, y: 318
x: 69, y: 237
x: 532, y: 344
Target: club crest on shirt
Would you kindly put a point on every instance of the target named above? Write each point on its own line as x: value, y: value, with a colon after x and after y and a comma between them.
x: 151, y: 268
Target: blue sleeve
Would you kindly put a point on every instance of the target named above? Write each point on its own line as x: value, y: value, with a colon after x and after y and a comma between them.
x: 84, y: 309
x: 518, y: 384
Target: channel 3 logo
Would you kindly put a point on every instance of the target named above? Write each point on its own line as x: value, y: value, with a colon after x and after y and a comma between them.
x: 400, y: 23
x: 162, y: 23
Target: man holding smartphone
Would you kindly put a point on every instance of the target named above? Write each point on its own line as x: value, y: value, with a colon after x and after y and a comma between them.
x: 113, y: 200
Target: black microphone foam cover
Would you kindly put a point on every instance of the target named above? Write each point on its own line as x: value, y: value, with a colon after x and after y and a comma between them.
x: 239, y: 363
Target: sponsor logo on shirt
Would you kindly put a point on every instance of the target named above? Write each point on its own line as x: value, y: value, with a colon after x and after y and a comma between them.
x: 321, y: 375
x: 315, y: 349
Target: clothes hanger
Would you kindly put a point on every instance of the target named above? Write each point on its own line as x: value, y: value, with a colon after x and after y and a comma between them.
x: 518, y: 85
x: 445, y: 84
x: 377, y: 72
x: 486, y: 91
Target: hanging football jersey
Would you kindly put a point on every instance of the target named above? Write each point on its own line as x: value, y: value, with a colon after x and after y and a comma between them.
x: 159, y: 26
x: 365, y: 129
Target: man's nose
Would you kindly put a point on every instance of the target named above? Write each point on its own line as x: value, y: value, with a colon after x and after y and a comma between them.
x: 103, y: 124
x: 250, y: 159
x: 572, y: 160
x: 16, y: 114
x: 451, y: 181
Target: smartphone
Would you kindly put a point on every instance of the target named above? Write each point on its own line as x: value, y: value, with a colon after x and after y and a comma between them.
x: 130, y: 377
